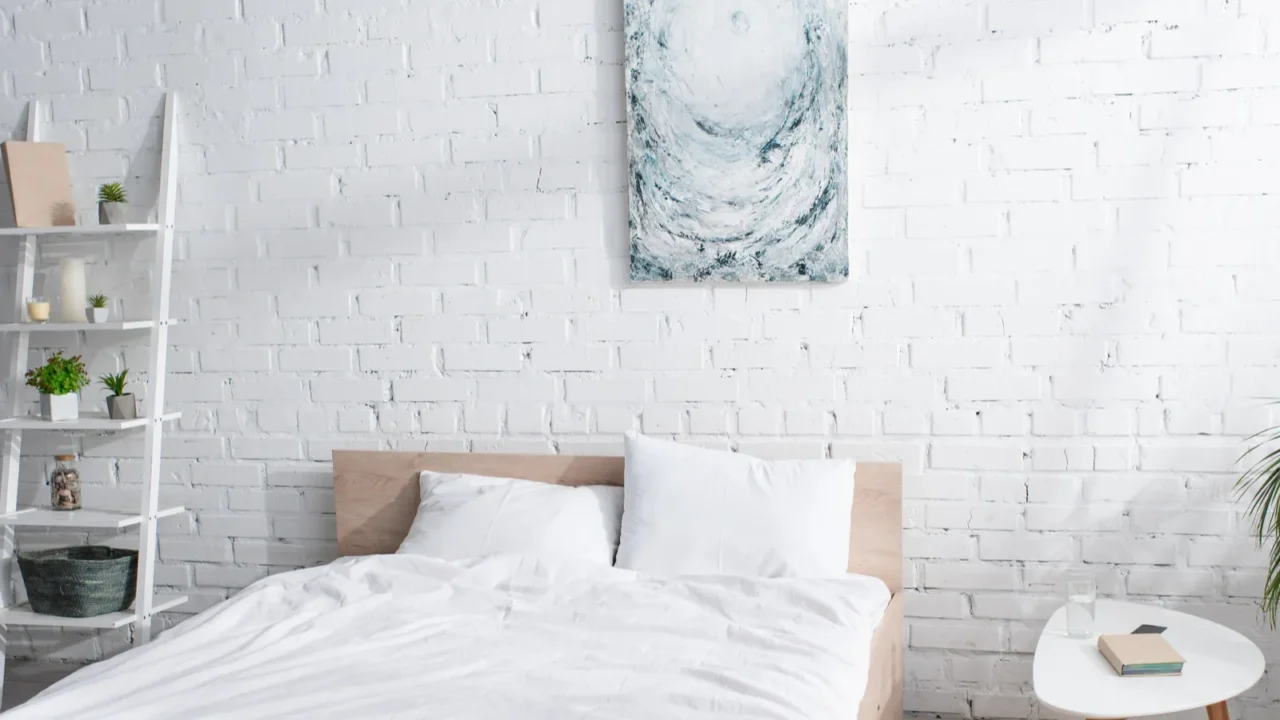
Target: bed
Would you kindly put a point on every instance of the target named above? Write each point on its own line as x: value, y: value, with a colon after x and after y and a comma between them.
x: 376, y: 494
x: 376, y: 634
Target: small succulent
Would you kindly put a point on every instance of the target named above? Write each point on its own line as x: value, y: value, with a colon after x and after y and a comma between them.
x: 112, y: 193
x: 115, y: 383
x: 59, y: 375
x: 98, y: 301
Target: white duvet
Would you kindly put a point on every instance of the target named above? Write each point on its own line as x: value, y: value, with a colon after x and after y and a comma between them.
x: 502, y: 638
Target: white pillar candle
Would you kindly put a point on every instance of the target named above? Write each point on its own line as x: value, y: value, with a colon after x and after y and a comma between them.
x: 74, y: 296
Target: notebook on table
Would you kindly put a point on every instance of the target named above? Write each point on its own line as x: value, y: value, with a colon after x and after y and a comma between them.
x: 1140, y: 655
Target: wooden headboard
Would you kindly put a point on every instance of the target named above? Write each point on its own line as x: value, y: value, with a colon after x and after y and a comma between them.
x: 376, y: 494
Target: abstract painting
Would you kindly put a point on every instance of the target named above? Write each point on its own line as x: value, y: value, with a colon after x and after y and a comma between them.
x: 737, y: 145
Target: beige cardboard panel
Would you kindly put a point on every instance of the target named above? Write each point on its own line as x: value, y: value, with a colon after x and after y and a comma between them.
x: 39, y: 184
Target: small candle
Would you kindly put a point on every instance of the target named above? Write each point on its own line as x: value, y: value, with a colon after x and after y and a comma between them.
x: 38, y: 310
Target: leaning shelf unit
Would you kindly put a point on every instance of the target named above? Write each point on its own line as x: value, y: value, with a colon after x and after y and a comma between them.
x: 147, y: 604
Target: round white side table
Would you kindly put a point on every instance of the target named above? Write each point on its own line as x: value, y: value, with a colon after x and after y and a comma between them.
x: 1070, y: 675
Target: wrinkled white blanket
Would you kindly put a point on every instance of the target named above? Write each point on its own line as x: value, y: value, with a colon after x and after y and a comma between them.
x: 501, y: 638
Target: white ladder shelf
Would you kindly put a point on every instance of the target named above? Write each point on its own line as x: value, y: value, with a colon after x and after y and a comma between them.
x: 149, y: 513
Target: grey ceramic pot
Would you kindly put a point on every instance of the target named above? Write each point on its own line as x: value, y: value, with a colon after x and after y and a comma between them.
x: 122, y: 407
x: 112, y: 213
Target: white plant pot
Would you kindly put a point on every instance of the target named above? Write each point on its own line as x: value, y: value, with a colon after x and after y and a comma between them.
x: 113, y: 213
x: 60, y: 408
x: 98, y: 316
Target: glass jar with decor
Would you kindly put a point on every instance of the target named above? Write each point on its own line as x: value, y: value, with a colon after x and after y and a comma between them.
x: 59, y: 381
x: 64, y: 484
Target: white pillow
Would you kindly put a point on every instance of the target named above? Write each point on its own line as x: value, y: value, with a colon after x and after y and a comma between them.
x: 463, y: 516
x: 692, y: 511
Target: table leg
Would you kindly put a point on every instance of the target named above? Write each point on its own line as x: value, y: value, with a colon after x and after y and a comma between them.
x: 1218, y: 711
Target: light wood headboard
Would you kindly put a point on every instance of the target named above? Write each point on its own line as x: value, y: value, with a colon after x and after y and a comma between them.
x: 376, y: 494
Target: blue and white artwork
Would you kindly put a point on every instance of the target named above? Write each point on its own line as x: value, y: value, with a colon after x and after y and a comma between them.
x: 737, y: 144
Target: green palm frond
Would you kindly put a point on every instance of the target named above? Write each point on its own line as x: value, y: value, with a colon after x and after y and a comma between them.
x: 116, y: 382
x: 1262, y: 483
x: 112, y: 193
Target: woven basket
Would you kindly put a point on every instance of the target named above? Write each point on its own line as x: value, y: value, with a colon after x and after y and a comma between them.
x: 80, y: 581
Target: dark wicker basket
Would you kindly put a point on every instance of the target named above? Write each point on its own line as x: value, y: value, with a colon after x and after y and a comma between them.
x: 79, y: 582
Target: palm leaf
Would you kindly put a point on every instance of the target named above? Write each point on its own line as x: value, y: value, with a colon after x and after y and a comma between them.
x: 1262, y: 482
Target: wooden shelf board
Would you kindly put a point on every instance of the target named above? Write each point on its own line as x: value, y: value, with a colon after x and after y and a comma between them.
x: 23, y: 615
x: 69, y: 230
x: 87, y: 421
x: 47, y: 517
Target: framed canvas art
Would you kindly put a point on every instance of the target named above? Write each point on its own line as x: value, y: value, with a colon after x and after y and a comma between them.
x: 737, y: 140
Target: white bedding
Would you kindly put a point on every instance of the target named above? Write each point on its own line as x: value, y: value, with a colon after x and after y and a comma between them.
x: 502, y: 638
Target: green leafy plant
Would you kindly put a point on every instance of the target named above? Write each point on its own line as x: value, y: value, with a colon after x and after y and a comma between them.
x: 112, y: 193
x: 98, y: 301
x: 115, y: 383
x: 1262, y: 482
x: 59, y: 375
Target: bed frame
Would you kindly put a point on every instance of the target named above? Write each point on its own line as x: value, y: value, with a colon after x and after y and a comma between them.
x: 376, y: 494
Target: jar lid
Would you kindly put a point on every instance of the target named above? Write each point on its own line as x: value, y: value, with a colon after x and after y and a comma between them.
x: 64, y: 458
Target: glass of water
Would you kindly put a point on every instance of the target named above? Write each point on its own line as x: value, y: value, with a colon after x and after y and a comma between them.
x: 1082, y: 603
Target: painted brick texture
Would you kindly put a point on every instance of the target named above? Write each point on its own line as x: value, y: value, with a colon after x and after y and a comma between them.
x: 403, y: 226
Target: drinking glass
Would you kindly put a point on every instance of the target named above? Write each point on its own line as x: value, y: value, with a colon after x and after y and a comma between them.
x: 1082, y: 603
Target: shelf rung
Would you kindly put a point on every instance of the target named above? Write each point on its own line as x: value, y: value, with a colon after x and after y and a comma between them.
x: 24, y: 616
x: 50, y: 518
x: 161, y: 603
x: 87, y: 422
x: 51, y: 327
x: 170, y: 512
x: 68, y: 230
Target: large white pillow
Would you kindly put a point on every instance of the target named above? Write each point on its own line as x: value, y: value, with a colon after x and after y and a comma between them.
x: 462, y: 516
x: 692, y: 511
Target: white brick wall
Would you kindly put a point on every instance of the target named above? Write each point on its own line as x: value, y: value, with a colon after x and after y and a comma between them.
x: 403, y: 226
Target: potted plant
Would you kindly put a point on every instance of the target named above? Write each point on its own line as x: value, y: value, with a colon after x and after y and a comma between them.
x: 59, y: 380
x: 112, y: 203
x: 1262, y: 482
x: 98, y: 310
x: 120, y: 405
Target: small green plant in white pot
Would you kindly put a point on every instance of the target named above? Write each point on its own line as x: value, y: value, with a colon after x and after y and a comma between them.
x: 98, y: 311
x: 120, y: 404
x: 59, y: 381
x: 113, y: 202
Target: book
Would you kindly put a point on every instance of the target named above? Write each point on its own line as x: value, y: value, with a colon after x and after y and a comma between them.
x: 1140, y: 655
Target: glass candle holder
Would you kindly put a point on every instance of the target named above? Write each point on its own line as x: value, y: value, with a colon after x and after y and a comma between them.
x: 37, y: 310
x: 1082, y: 604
